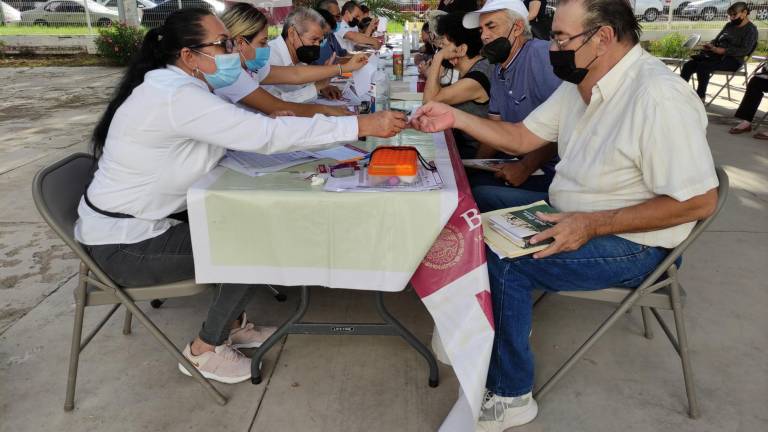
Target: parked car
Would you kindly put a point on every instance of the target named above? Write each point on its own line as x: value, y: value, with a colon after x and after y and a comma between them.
x: 708, y: 10
x: 155, y: 16
x: 676, y: 5
x: 69, y: 12
x: 24, y: 5
x: 648, y: 10
x: 141, y: 4
x: 10, y: 15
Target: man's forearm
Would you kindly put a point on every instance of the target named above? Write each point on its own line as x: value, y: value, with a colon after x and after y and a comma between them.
x: 654, y: 214
x: 537, y: 158
x: 512, y: 138
x: 360, y: 38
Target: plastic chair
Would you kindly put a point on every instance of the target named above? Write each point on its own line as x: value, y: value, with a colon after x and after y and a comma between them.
x: 660, y: 290
x: 56, y: 191
x: 678, y: 61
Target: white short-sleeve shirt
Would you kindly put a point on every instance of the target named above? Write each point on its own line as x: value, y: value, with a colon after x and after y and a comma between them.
x: 343, y: 29
x: 642, y: 135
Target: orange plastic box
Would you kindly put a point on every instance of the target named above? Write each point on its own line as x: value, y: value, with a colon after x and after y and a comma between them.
x: 393, y: 166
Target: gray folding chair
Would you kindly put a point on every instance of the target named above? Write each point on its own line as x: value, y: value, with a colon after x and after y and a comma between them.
x: 660, y: 290
x: 56, y: 191
x: 677, y: 62
x: 730, y: 75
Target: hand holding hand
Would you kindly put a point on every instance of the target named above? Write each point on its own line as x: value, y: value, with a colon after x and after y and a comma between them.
x: 434, y: 117
x: 571, y: 231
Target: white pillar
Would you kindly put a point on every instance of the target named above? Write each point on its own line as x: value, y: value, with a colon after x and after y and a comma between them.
x: 129, y: 12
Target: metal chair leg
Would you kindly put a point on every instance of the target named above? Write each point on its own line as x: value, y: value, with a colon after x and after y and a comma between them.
x: 682, y: 339
x: 647, y: 331
x: 607, y: 324
x: 127, y: 322
x: 130, y: 305
x: 77, y: 333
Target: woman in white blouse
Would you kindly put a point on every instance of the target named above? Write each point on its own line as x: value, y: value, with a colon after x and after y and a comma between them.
x: 163, y: 130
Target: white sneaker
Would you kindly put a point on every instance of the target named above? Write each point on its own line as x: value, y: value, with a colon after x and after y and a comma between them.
x: 249, y: 335
x: 225, y: 364
x: 499, y: 413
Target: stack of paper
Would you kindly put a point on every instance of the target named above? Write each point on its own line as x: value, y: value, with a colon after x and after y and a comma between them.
x: 359, y: 182
x: 255, y: 164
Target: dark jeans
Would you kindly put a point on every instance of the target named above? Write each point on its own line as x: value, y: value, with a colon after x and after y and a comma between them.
x: 752, y: 98
x: 704, y: 67
x: 491, y: 193
x: 602, y: 262
x: 168, y: 258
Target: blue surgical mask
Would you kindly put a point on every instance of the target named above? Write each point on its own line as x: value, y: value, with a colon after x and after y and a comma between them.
x: 228, y: 70
x: 259, y: 61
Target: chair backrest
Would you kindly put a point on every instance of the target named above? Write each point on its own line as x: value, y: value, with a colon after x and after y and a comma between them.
x: 692, y: 41
x: 56, y: 191
x: 722, y: 195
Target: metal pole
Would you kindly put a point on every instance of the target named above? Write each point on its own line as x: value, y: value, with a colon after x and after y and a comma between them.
x: 180, y: 5
x: 130, y: 14
x: 88, y: 17
x: 669, y: 17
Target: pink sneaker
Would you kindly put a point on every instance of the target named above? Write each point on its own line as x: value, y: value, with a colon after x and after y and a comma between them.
x: 250, y: 335
x: 225, y: 364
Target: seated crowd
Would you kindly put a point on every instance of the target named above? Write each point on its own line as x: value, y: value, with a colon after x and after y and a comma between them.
x: 568, y: 117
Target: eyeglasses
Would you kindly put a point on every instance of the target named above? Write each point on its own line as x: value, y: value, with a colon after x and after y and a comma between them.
x: 227, y: 44
x: 562, y: 43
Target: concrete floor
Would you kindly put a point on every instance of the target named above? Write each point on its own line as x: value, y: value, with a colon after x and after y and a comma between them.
x: 360, y: 383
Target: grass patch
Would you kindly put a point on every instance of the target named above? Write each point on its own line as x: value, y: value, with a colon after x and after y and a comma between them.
x: 11, y: 60
x: 17, y: 30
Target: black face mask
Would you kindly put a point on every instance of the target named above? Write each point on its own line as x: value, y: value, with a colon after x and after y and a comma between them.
x: 737, y: 21
x: 446, y: 64
x: 497, y: 50
x: 354, y: 22
x: 307, y: 53
x: 564, y: 64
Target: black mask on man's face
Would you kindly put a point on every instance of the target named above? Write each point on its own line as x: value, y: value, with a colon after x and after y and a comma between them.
x: 307, y: 53
x: 737, y: 21
x: 564, y: 64
x: 447, y: 64
x: 354, y: 22
x: 497, y: 50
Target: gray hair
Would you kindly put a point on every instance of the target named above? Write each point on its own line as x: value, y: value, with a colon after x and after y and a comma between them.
x: 300, y: 19
x: 514, y: 16
x: 325, y: 4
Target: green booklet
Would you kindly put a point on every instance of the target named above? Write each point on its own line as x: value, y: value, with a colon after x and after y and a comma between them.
x: 520, y: 224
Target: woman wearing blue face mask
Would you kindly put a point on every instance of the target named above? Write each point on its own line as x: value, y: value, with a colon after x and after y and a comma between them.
x: 163, y: 130
x: 248, y: 27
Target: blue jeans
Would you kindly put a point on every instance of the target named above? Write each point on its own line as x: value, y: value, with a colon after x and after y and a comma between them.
x: 602, y: 262
x: 491, y: 193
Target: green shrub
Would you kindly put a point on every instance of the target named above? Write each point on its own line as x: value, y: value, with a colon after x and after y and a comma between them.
x: 671, y: 45
x: 118, y: 42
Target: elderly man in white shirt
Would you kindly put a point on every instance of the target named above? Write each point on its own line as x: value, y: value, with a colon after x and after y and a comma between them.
x: 635, y: 174
x: 299, y: 44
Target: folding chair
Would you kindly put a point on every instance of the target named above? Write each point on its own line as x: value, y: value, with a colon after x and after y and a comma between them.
x: 660, y: 290
x: 730, y: 75
x: 678, y: 62
x: 56, y: 191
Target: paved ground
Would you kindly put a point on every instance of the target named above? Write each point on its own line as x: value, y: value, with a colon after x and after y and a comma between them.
x: 352, y: 384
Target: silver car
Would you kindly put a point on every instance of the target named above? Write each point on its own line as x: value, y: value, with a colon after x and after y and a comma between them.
x: 708, y: 10
x: 69, y: 12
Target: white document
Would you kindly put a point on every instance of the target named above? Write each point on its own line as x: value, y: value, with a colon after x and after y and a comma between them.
x: 254, y: 164
x: 363, y: 77
x: 427, y: 181
x: 344, y: 152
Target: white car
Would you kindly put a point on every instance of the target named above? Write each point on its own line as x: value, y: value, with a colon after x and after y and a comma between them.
x: 10, y: 15
x: 648, y: 10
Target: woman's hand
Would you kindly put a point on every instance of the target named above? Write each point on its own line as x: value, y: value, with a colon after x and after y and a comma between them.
x: 434, y: 117
x: 336, y: 111
x: 382, y: 124
x: 356, y: 62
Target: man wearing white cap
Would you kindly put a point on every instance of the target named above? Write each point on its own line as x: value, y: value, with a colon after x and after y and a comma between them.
x: 523, y: 80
